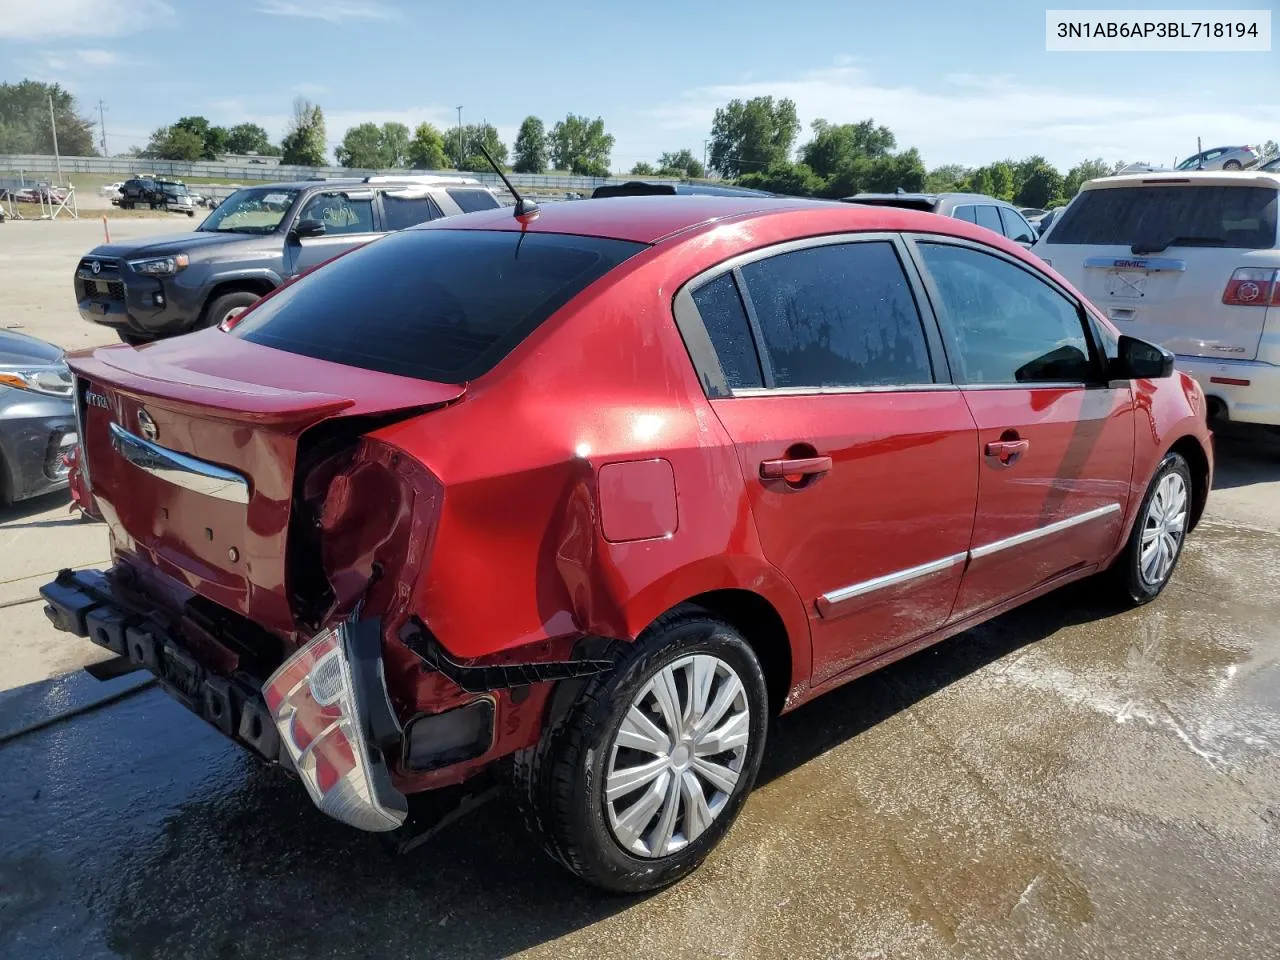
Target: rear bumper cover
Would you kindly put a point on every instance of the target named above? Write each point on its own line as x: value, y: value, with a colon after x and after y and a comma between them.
x: 1249, y: 389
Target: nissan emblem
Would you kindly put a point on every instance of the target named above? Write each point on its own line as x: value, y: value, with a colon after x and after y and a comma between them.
x: 147, y: 426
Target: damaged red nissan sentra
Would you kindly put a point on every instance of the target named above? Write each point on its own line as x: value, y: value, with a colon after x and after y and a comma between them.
x: 587, y: 497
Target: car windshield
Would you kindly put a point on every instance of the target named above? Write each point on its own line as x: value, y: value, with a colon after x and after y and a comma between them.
x: 1172, y: 215
x: 442, y: 305
x: 174, y: 189
x: 256, y: 210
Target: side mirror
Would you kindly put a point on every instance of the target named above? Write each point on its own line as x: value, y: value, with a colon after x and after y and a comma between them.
x: 308, y: 228
x: 1140, y: 360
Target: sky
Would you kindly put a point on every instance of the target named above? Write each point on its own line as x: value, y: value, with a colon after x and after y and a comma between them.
x: 964, y: 82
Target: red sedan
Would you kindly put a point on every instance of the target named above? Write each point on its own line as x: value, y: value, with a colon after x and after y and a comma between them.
x: 588, y: 497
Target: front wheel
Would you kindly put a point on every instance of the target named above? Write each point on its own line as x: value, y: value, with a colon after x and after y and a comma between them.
x: 227, y: 307
x: 1231, y: 165
x: 640, y: 779
x: 1159, y: 532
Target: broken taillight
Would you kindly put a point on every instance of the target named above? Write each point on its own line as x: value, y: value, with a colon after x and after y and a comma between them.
x: 315, y: 701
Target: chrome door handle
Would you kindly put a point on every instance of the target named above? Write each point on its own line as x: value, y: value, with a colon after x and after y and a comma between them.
x: 802, y: 467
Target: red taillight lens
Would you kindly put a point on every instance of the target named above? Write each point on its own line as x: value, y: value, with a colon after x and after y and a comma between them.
x: 1252, y: 287
x: 313, y: 702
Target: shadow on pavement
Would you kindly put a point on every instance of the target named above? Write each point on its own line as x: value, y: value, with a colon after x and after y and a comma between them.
x: 23, y: 509
x: 1245, y: 455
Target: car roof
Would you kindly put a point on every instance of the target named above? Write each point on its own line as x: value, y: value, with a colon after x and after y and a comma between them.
x: 920, y: 198
x: 656, y: 218
x: 652, y: 188
x: 1204, y: 178
x: 408, y: 179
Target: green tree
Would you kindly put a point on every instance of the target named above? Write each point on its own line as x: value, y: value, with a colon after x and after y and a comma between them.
x: 213, y: 139
x: 835, y: 145
x: 948, y: 178
x: 426, y: 149
x: 471, y: 158
x: 395, y: 144
x: 786, y: 177
x: 175, y: 143
x: 681, y: 163
x: 1270, y: 149
x: 581, y: 146
x: 877, y: 174
x: 642, y: 169
x: 245, y: 138
x: 531, y: 147
x: 304, y: 143
x: 1041, y: 187
x: 1082, y: 172
x: 753, y: 135
x: 361, y: 147
x: 1001, y: 181
x: 24, y: 120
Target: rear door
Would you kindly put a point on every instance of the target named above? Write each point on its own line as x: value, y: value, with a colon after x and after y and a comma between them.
x: 860, y: 457
x: 348, y: 218
x: 1157, y: 258
x: 1054, y: 438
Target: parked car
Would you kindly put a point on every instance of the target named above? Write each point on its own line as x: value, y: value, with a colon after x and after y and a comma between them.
x: 642, y: 188
x: 1043, y: 221
x: 37, y: 417
x: 995, y: 215
x: 1031, y: 213
x: 111, y: 191
x: 1271, y: 166
x: 1222, y: 158
x: 156, y: 194
x: 586, y: 497
x: 1188, y: 260
x: 258, y: 237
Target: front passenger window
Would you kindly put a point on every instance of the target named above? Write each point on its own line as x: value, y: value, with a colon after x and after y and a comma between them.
x: 1015, y: 228
x: 1008, y: 326
x: 340, y: 213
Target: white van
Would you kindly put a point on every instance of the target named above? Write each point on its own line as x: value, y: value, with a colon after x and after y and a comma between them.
x: 1189, y: 260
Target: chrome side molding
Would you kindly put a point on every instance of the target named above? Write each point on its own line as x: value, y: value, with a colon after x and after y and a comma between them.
x: 893, y: 579
x: 1018, y: 539
x: 180, y: 469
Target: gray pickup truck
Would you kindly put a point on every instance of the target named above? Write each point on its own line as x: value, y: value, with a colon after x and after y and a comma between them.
x: 257, y: 238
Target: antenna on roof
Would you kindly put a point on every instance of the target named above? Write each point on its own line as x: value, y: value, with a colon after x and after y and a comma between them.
x: 526, y: 210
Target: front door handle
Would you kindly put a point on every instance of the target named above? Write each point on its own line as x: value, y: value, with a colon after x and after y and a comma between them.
x: 801, y: 467
x: 1007, y: 451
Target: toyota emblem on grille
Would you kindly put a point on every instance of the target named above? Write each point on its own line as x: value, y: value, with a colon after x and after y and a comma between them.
x: 96, y: 267
x: 147, y: 426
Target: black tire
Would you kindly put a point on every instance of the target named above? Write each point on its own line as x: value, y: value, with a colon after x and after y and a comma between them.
x: 1232, y: 165
x: 1136, y: 584
x: 219, y: 308
x: 560, y: 782
x: 131, y: 338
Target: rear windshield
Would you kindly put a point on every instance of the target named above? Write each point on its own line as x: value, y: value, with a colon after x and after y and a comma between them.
x: 473, y: 199
x: 1208, y: 216
x: 442, y: 305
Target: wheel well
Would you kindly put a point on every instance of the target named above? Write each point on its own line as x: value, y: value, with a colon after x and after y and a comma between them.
x: 258, y: 286
x: 757, y: 620
x: 1196, y: 459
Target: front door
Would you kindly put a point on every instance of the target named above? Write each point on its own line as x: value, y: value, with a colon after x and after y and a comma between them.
x: 348, y: 221
x: 1055, y: 439
x: 860, y: 460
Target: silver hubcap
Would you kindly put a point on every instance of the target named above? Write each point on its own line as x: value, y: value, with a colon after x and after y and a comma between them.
x: 1163, y: 530
x: 677, y: 756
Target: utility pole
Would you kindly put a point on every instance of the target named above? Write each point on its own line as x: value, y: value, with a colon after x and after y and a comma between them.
x: 459, y: 163
x: 704, y: 157
x: 53, y: 125
x: 102, y: 128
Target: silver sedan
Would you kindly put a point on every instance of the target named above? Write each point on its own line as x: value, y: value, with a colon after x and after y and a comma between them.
x: 1222, y: 158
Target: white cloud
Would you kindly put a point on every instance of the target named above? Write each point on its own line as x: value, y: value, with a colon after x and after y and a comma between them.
x: 308, y: 89
x: 54, y: 19
x: 98, y: 58
x: 334, y: 11
x: 971, y: 118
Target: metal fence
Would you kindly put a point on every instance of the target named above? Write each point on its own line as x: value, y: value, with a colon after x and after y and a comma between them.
x: 46, y: 167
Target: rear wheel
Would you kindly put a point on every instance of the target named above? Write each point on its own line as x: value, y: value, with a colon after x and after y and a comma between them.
x: 1231, y: 165
x: 1155, y: 544
x: 227, y: 306
x: 640, y: 779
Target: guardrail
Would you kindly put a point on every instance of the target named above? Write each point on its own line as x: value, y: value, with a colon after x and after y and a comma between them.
x: 45, y: 167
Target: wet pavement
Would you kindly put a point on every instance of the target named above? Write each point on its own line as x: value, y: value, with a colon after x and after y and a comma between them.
x: 1071, y: 780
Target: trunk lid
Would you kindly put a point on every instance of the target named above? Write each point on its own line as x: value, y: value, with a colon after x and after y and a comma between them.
x: 159, y: 422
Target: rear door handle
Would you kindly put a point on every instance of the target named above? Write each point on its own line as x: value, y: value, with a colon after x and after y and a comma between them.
x: 803, y: 467
x: 1007, y: 451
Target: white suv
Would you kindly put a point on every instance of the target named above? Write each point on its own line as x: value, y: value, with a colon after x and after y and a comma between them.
x: 1191, y: 261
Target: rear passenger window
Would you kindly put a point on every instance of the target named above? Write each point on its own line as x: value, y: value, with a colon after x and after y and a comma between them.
x: 1015, y: 228
x: 403, y: 210
x: 841, y: 315
x: 726, y: 321
x: 966, y: 213
x: 988, y: 216
x: 471, y: 200
x: 1008, y: 326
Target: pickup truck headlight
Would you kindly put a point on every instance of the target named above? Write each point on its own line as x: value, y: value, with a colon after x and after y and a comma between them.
x: 52, y: 379
x: 160, y: 266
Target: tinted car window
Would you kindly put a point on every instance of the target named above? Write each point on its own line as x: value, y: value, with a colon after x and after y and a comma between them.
x: 1008, y: 326
x: 988, y: 216
x: 441, y: 305
x: 726, y: 321
x: 469, y: 201
x: 966, y: 212
x: 1015, y: 228
x: 399, y: 212
x: 340, y: 213
x: 1208, y: 216
x: 839, y: 316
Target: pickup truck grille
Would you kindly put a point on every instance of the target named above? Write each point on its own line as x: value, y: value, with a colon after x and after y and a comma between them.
x: 104, y: 264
